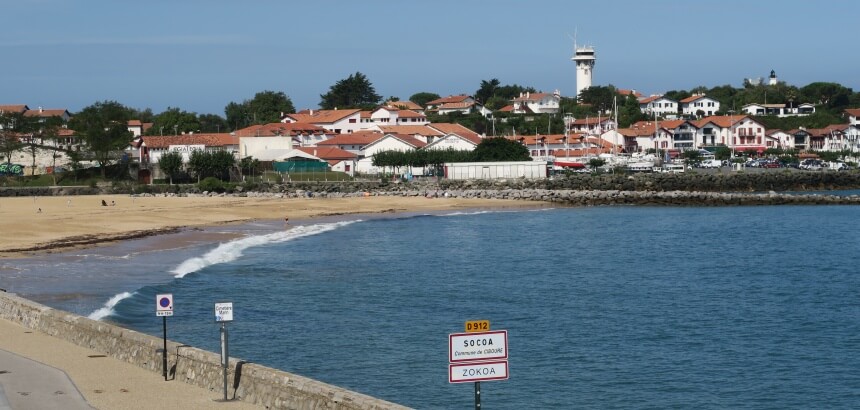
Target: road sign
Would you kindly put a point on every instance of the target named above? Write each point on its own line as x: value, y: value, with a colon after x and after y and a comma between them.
x: 164, y: 305
x: 481, y: 346
x: 477, y: 372
x: 477, y: 326
x: 224, y: 312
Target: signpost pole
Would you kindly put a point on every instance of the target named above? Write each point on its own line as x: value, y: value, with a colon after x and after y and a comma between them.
x: 164, y: 351
x: 477, y: 395
x: 224, y: 355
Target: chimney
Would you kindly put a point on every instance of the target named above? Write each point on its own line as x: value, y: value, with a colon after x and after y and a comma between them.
x: 40, y: 109
x: 315, y: 152
x: 312, y: 112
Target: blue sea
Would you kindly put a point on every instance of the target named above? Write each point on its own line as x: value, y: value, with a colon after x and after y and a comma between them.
x: 605, y: 307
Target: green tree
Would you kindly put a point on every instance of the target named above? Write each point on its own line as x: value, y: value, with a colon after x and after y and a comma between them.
x: 355, y: 91
x: 248, y: 165
x: 103, y: 127
x: 598, y: 96
x: 500, y: 149
x: 830, y: 95
x: 629, y: 112
x: 11, y: 124
x: 423, y: 97
x: 174, y: 121
x: 211, y: 164
x: 171, y: 164
x: 266, y: 107
x: 487, y: 90
x: 212, y: 123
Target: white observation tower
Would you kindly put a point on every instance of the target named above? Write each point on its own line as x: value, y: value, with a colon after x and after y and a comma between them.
x: 584, y: 59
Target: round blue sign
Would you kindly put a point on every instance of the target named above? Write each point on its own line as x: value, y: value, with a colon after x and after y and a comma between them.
x: 164, y: 302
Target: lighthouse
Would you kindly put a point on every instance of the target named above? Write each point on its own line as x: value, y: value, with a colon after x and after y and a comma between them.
x: 584, y: 59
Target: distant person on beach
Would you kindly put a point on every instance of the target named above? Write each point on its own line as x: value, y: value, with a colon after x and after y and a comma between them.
x: 39, y: 211
x: 112, y: 203
x: 104, y: 203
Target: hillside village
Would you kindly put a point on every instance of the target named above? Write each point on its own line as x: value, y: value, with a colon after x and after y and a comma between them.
x: 346, y: 140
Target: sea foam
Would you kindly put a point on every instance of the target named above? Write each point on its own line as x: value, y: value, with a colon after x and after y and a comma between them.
x: 107, y: 309
x: 230, y: 251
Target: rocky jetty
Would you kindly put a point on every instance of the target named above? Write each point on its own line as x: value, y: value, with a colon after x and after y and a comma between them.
x: 690, y: 189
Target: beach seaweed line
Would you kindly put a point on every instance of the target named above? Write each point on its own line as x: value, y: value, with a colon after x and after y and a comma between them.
x: 83, y: 240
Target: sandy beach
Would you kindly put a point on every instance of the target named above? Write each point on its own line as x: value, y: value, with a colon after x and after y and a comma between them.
x: 42, y: 225
x: 34, y: 225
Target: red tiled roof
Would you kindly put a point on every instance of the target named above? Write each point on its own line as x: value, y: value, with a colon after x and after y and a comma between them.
x: 365, y: 114
x: 280, y: 128
x: 208, y: 140
x: 450, y: 128
x: 724, y: 121
x: 423, y: 130
x: 328, y: 153
x: 59, y: 112
x: 634, y: 93
x: 449, y: 99
x: 321, y: 116
x: 646, y: 100
x: 19, y: 108
x: 410, y: 114
x: 531, y: 97
x: 694, y: 98
x: 356, y: 138
x: 415, y: 142
x: 507, y: 108
x: 854, y: 112
x: 404, y: 105
x: 591, y: 121
x: 135, y: 123
x: 456, y: 105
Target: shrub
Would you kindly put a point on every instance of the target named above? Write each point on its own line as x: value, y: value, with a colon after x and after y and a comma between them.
x: 211, y: 184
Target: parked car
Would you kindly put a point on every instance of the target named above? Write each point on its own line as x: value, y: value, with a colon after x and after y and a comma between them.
x: 713, y: 163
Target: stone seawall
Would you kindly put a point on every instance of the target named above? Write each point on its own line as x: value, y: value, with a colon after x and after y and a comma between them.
x: 252, y: 383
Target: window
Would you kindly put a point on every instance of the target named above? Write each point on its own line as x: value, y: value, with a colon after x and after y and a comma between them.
x: 352, y: 120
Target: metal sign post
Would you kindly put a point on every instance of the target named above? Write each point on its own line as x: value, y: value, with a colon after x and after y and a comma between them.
x: 224, y: 314
x: 478, y: 355
x: 164, y: 308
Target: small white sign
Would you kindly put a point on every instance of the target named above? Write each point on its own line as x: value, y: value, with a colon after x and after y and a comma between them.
x: 473, y: 347
x: 164, y: 304
x: 477, y: 372
x: 224, y: 312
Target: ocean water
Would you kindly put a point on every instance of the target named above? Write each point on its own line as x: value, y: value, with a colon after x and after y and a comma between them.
x: 605, y: 307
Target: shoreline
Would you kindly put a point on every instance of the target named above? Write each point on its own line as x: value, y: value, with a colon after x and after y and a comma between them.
x: 44, y: 225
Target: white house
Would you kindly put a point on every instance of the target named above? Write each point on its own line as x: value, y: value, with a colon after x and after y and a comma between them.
x: 335, y: 121
x: 779, y: 139
x: 658, y: 104
x: 779, y: 110
x: 699, y: 105
x: 457, y: 103
x: 150, y: 148
x: 592, y: 125
x: 453, y: 142
x: 353, y: 143
x: 388, y: 142
x: 390, y: 115
x: 301, y: 134
x: 536, y: 103
x: 738, y: 132
x: 853, y: 115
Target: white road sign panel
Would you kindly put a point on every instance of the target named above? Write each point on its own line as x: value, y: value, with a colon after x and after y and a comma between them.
x: 477, y: 372
x: 164, y: 304
x: 473, y: 347
x: 224, y: 312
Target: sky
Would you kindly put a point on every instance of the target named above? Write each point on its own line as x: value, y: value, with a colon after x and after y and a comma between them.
x: 200, y: 55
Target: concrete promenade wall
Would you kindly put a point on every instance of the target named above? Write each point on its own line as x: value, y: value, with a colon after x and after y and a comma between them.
x: 267, y: 387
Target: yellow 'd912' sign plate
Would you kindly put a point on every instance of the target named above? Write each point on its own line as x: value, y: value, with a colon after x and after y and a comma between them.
x: 477, y: 325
